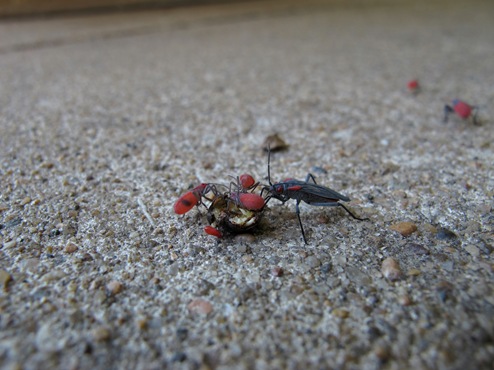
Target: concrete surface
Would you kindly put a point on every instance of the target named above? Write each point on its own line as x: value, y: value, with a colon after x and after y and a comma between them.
x: 106, y: 120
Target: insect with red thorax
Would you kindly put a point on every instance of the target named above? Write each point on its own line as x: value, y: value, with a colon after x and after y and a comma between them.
x: 413, y: 86
x: 462, y: 110
x: 193, y: 198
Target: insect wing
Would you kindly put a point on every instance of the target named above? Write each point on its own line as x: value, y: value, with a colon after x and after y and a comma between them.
x: 319, y: 195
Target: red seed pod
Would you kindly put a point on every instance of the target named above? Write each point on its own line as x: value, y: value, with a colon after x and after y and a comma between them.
x: 212, y: 231
x: 462, y: 109
x: 185, y: 203
x: 250, y: 201
x: 247, y: 181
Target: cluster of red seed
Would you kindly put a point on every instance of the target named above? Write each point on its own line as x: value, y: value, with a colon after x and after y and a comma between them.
x: 235, y: 209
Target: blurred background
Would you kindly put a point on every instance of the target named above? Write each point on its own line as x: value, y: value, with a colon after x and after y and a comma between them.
x: 22, y: 8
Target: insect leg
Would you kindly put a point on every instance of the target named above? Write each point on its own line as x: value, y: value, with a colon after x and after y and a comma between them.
x: 351, y: 214
x: 447, y: 111
x: 475, y: 112
x: 337, y: 204
x: 297, y: 211
x: 310, y: 177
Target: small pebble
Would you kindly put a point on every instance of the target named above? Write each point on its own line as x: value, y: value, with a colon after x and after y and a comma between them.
x: 414, y: 272
x: 101, y: 334
x: 430, y: 228
x: 5, y: 278
x: 417, y: 249
x: 25, y: 201
x: 53, y: 275
x: 47, y: 165
x: 277, y: 271
x: 114, y: 287
x: 200, y: 306
x: 405, y: 300
x: 86, y: 257
x: 473, y: 250
x: 313, y: 261
x: 340, y: 312
x: 391, y: 270
x: 245, y: 238
x: 10, y: 244
x: 3, y: 207
x: 404, y: 228
x: 70, y: 248
x: 142, y: 323
x: 382, y: 352
x: 242, y: 248
x: 274, y: 143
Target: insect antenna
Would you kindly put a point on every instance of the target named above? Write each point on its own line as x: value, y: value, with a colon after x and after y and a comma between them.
x: 269, y: 165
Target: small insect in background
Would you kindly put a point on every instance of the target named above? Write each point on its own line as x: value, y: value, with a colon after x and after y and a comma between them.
x: 413, y: 86
x: 308, y: 192
x: 462, y: 110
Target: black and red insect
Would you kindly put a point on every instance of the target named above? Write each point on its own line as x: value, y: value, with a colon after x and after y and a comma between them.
x: 308, y: 192
x: 193, y: 198
x: 414, y: 86
x: 462, y: 110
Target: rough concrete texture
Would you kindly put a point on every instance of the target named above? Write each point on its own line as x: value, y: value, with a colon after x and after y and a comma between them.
x: 107, y: 120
